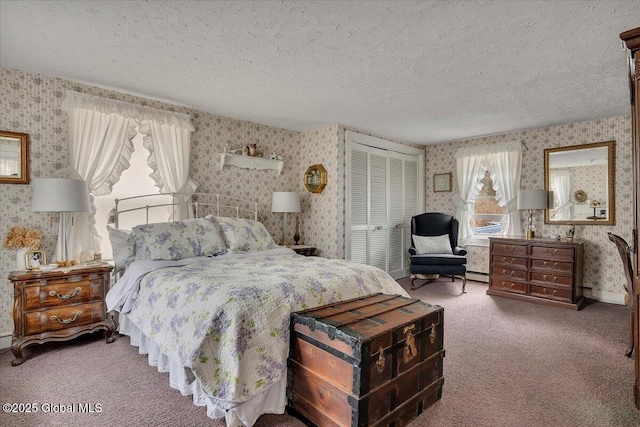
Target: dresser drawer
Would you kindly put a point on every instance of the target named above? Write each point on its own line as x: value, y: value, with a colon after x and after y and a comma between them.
x: 544, y: 278
x: 513, y: 262
x: 508, y: 248
x: 509, y: 273
x: 546, y: 292
x: 541, y: 264
x: 551, y: 252
x: 506, y: 285
x: 56, y: 319
x: 62, y: 293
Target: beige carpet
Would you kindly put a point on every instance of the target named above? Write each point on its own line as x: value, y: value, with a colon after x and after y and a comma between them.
x: 508, y: 363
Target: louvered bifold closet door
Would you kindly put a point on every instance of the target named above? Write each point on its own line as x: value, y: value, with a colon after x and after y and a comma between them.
x: 411, y: 208
x: 359, y: 205
x: 378, y: 209
x: 396, y: 215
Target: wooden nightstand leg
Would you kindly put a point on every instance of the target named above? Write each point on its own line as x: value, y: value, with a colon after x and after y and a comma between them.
x: 16, y: 349
x: 111, y: 327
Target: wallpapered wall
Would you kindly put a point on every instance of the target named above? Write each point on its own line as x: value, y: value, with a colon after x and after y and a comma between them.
x: 30, y: 103
x: 603, y: 268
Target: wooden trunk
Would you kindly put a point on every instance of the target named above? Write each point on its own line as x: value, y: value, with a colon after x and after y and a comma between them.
x: 370, y: 361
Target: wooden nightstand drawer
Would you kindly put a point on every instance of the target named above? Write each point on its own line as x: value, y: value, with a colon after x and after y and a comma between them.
x: 62, y: 293
x: 56, y: 319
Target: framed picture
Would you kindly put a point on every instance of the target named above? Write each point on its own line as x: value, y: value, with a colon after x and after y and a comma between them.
x: 14, y: 155
x: 35, y: 259
x: 315, y: 178
x: 441, y: 182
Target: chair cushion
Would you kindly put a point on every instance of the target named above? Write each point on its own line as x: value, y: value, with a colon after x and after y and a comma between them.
x: 438, y: 259
x: 432, y: 244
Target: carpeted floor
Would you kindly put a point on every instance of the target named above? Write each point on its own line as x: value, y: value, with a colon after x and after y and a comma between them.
x: 508, y: 363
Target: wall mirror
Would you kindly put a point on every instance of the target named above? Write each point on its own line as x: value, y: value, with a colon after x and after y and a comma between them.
x: 582, y: 178
x: 14, y: 158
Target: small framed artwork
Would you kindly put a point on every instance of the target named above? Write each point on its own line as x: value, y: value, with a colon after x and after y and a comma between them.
x: 441, y: 182
x: 315, y: 178
x: 35, y: 259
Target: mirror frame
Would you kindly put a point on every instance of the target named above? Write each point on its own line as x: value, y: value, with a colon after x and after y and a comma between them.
x: 611, y: 160
x: 24, y: 158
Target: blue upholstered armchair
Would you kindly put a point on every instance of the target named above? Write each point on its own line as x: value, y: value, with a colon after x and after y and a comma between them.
x: 433, y: 255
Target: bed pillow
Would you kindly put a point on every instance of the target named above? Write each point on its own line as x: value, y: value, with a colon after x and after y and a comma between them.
x: 122, y: 248
x: 432, y: 244
x: 177, y: 240
x: 241, y: 234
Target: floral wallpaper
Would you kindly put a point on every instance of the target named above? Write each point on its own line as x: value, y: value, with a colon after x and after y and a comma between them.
x: 30, y: 103
x: 593, y: 179
x: 603, y: 268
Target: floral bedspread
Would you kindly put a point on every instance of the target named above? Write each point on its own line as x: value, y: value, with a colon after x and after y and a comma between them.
x: 227, y: 320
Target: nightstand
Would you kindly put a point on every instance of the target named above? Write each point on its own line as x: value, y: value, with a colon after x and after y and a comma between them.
x: 58, y: 305
x: 303, y: 249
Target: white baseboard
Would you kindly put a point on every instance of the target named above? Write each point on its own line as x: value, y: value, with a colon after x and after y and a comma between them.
x: 5, y: 340
x: 477, y: 276
x: 603, y: 296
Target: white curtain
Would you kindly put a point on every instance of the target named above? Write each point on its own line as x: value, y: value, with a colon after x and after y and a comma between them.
x: 505, y: 168
x: 169, y: 147
x: 100, y: 133
x: 99, y: 148
x: 468, y: 172
x: 561, y: 184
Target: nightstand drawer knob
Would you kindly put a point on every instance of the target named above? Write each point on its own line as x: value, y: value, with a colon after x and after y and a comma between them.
x: 66, y: 321
x: 75, y: 292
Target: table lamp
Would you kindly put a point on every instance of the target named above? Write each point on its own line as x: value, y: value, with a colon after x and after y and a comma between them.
x: 532, y: 200
x: 61, y: 195
x: 285, y: 201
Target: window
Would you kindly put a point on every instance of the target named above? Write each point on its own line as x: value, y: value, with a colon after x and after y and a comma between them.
x: 487, y: 214
x: 134, y: 181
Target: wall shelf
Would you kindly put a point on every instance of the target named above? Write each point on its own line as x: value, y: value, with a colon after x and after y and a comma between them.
x: 248, y: 162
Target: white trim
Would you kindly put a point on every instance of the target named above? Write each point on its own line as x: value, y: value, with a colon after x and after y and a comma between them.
x: 371, y: 141
x: 5, y: 340
x: 604, y: 296
x: 478, y: 276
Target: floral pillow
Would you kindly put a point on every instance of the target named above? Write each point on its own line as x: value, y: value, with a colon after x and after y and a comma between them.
x: 241, y: 234
x: 178, y: 240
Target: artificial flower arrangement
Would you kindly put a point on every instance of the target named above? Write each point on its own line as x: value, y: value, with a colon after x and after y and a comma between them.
x: 20, y: 237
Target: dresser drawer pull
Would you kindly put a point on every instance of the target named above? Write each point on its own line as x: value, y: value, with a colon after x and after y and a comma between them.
x: 506, y: 248
x: 66, y: 321
x: 546, y: 250
x: 504, y: 272
x: 504, y: 285
x: 555, y: 264
x: 555, y: 278
x: 75, y: 292
x: 552, y: 294
x: 380, y: 361
x: 504, y: 258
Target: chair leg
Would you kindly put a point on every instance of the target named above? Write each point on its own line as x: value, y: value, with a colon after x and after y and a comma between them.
x: 413, y: 285
x: 629, y: 351
x: 464, y: 284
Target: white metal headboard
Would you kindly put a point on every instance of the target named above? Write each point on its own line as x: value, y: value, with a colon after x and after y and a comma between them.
x: 202, y: 204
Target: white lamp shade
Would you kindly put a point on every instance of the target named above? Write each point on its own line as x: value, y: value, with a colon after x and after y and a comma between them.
x: 285, y: 201
x: 532, y: 199
x: 60, y: 195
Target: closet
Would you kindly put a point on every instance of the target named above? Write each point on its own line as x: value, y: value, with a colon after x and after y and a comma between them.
x: 385, y: 188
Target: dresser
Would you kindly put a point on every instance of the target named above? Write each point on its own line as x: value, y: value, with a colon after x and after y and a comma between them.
x: 537, y: 270
x: 58, y: 306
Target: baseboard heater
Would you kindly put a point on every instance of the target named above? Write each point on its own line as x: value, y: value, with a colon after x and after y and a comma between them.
x: 477, y: 276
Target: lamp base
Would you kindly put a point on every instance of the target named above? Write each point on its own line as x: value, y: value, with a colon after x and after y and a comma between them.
x: 530, y: 234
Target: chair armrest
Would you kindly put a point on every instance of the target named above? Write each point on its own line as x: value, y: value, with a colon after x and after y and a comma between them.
x: 459, y: 251
x: 412, y: 251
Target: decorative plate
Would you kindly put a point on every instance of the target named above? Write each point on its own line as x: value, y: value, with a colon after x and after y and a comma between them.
x: 580, y: 196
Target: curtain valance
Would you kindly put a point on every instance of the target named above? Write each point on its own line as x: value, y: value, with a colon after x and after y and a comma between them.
x: 482, y: 150
x: 133, y: 111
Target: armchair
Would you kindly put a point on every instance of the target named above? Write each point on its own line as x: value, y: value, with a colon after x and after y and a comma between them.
x: 446, y: 263
x: 625, y: 254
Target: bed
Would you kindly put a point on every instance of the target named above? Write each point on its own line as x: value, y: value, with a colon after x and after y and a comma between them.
x: 209, y: 300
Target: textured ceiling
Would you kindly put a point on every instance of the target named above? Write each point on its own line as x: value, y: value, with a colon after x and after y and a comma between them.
x: 425, y: 72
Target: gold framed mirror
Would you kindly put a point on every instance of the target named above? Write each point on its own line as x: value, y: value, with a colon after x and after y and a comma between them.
x: 14, y: 158
x: 315, y: 178
x: 582, y: 178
